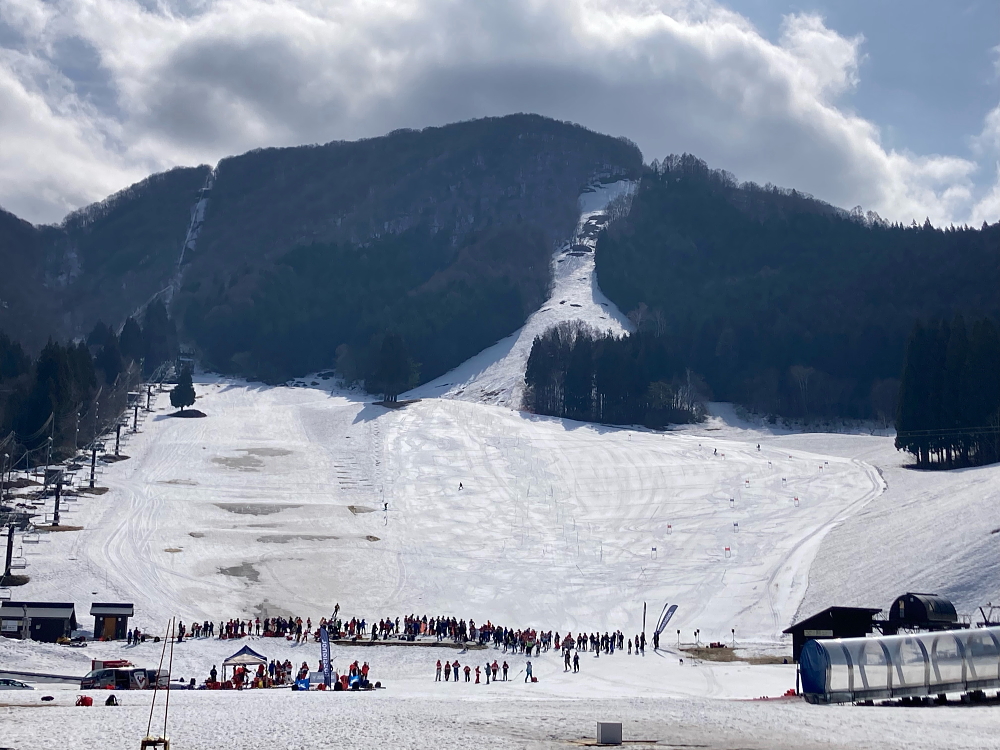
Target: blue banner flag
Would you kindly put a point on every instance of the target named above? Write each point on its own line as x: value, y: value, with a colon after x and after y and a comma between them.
x: 324, y: 655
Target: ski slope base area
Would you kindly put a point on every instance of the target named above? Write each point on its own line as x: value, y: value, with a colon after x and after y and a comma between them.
x: 289, y: 500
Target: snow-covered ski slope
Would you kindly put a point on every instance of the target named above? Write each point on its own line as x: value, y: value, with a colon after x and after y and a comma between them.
x: 275, y: 501
x: 930, y: 531
x: 496, y: 375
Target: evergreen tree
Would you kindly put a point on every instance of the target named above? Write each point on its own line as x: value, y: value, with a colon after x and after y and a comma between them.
x: 109, y: 359
x: 99, y: 334
x: 131, y: 342
x: 394, y: 370
x: 949, y: 396
x: 159, y: 335
x: 13, y: 361
x: 183, y: 394
x: 576, y: 373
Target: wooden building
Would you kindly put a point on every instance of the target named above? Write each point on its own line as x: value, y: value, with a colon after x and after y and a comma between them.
x: 111, y: 620
x: 44, y: 621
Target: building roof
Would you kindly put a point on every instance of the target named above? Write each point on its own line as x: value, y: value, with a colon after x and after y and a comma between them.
x: 245, y: 656
x: 111, y: 609
x: 38, y: 610
x: 832, y: 613
x: 936, y: 608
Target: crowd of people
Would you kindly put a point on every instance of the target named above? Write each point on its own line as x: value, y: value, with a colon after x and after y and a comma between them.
x: 525, y: 642
x: 278, y: 674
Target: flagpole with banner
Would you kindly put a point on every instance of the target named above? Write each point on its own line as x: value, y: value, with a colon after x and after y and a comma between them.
x: 324, y: 655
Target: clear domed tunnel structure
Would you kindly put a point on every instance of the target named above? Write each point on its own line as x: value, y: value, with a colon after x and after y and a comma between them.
x: 858, y: 669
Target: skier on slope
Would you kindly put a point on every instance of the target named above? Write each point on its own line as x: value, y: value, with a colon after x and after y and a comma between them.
x: 437, y: 674
x: 576, y: 661
x: 527, y: 671
x: 447, y: 671
x: 505, y: 667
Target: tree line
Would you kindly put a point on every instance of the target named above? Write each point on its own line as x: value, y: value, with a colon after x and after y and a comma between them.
x: 785, y: 304
x: 70, y: 390
x: 578, y: 373
x: 949, y: 398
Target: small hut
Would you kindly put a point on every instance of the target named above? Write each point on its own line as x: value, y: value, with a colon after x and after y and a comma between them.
x: 111, y: 619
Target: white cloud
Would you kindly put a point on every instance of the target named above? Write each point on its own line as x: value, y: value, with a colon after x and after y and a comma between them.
x: 194, y: 81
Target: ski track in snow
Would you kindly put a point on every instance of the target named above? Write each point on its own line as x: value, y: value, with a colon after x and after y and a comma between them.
x: 496, y: 375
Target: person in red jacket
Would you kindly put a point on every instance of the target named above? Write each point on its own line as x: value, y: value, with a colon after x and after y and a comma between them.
x: 455, y: 666
x: 437, y: 674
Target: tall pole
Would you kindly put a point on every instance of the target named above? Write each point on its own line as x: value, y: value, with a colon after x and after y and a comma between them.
x: 118, y: 436
x: 93, y: 464
x: 10, y: 549
x: 55, y: 514
x: 48, y: 457
x: 5, y: 478
x: 644, y: 618
x: 135, y: 423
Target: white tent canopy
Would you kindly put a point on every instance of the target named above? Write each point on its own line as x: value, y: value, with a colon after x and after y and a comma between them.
x: 245, y: 657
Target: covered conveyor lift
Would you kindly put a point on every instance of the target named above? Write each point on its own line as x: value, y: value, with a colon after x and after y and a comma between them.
x: 923, y: 664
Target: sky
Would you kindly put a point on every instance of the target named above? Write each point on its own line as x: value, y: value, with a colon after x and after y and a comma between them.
x: 893, y: 106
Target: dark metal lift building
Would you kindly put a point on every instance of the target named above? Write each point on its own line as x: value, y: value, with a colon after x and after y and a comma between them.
x: 833, y: 622
x: 924, y: 612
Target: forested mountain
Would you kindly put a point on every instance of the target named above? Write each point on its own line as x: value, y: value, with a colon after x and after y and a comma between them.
x: 103, y: 261
x: 781, y: 302
x: 442, y: 236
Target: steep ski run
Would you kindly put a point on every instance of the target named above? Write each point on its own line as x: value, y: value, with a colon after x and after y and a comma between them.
x: 496, y: 375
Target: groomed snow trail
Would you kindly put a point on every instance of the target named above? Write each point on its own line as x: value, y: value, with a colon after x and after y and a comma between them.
x: 275, y: 501
x: 496, y: 375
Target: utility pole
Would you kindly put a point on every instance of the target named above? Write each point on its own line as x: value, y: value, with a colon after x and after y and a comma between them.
x: 55, y: 514
x: 10, y: 549
x: 118, y: 437
x: 48, y: 457
x: 135, y: 423
x: 93, y: 463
